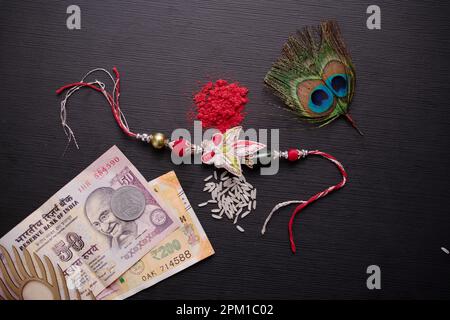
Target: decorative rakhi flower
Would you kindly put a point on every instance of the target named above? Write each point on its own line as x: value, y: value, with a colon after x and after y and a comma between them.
x: 226, y: 151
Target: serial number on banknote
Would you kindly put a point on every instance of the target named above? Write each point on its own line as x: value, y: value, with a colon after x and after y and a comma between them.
x: 176, y: 260
x: 103, y: 170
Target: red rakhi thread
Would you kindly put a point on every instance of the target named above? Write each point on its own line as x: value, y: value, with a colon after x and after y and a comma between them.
x: 221, y: 104
x: 319, y: 195
x: 112, y: 98
x: 294, y: 155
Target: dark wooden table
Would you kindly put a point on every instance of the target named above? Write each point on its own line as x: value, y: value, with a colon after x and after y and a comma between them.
x: 393, y: 213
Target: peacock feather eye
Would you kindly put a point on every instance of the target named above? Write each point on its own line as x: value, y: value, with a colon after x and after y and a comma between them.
x: 315, y: 97
x: 338, y: 83
x: 335, y: 74
x: 321, y: 99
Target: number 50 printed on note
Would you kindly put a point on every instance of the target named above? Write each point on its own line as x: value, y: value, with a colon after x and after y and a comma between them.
x: 96, y: 227
x: 181, y: 249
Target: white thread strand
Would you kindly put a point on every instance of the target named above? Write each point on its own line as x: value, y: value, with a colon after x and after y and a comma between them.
x: 276, y: 208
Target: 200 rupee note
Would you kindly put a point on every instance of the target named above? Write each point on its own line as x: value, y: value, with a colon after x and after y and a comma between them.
x: 181, y: 249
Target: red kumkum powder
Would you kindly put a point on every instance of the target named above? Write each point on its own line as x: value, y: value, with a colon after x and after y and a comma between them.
x: 220, y: 105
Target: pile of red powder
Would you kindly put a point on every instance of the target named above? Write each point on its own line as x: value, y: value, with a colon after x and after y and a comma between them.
x: 220, y: 105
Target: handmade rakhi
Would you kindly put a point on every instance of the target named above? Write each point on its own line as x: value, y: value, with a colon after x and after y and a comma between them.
x: 315, y: 76
x: 224, y: 150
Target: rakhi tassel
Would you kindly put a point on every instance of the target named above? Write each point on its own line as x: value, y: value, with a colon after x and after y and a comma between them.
x: 112, y: 99
x: 293, y: 155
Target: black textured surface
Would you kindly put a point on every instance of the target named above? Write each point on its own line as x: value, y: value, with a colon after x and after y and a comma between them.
x: 393, y: 212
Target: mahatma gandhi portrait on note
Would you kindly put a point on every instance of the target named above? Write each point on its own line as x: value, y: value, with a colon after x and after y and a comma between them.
x: 122, y: 214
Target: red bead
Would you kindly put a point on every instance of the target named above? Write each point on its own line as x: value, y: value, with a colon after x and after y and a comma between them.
x: 293, y: 154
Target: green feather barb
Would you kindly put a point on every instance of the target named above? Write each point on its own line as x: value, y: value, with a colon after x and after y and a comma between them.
x: 315, y: 75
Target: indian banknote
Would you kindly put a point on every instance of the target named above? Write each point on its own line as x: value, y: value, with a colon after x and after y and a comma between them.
x: 179, y: 250
x: 95, y: 228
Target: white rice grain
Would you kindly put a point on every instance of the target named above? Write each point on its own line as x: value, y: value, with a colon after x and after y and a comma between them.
x: 245, y: 214
x: 240, y: 228
x: 228, y: 214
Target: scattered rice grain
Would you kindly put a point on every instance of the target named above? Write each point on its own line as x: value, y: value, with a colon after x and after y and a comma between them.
x: 234, y: 197
x: 245, y: 214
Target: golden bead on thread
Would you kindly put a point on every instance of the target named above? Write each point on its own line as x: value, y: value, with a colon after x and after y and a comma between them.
x: 158, y: 140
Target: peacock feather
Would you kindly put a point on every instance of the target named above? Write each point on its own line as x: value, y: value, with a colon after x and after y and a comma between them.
x: 315, y: 75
